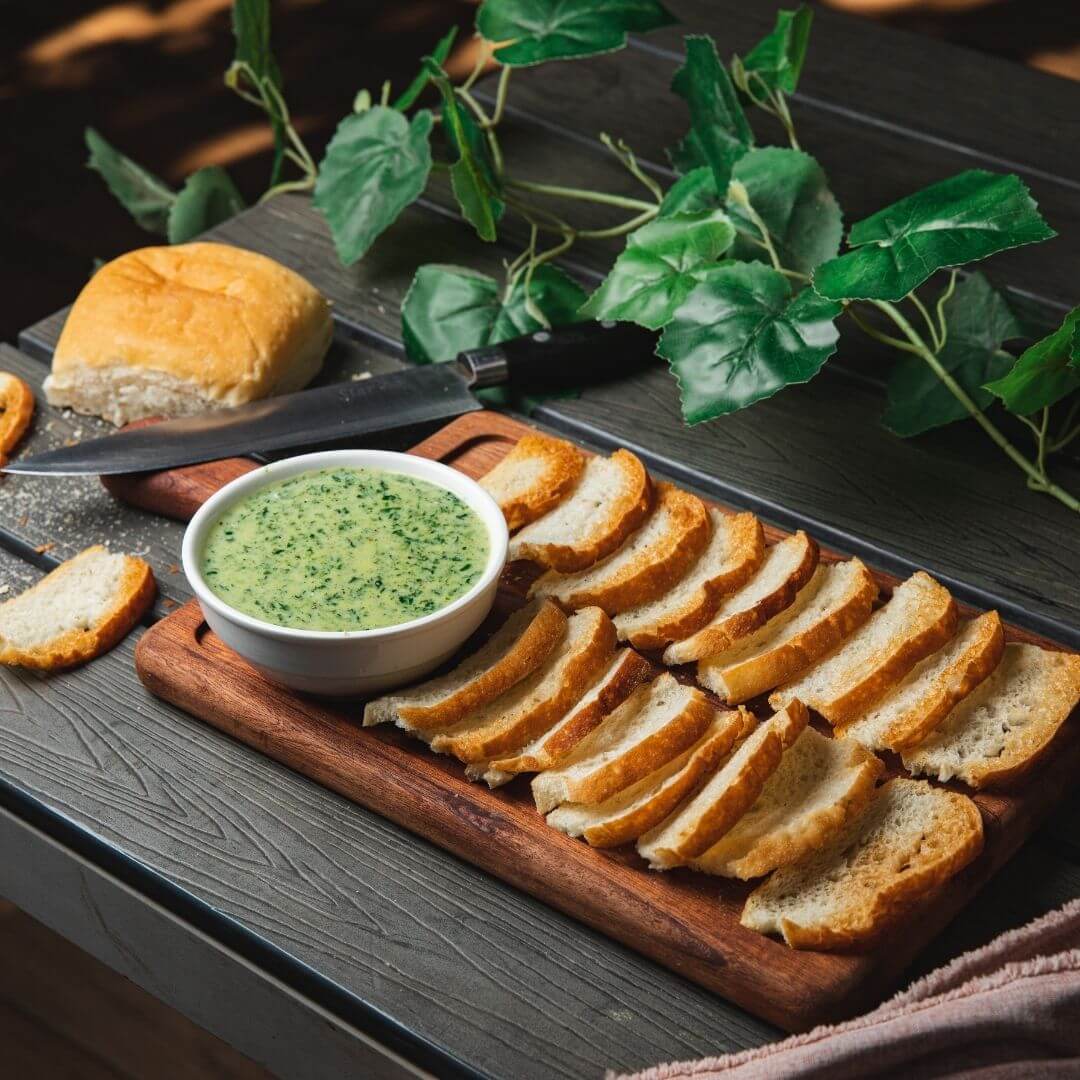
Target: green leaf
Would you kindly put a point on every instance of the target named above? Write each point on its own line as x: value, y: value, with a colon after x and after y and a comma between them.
x: 208, y: 198
x: 790, y: 192
x: 251, y: 29
x: 146, y: 198
x: 719, y: 132
x: 532, y: 31
x: 376, y: 164
x: 740, y: 337
x: 451, y: 308
x: 663, y: 263
x: 778, y: 58
x: 472, y: 176
x: 407, y: 98
x: 979, y: 322
x: 967, y: 217
x: 1044, y: 373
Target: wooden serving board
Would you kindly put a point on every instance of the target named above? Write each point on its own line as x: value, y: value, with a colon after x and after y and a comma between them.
x: 684, y: 920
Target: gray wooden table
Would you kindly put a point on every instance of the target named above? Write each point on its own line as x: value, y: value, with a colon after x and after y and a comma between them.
x: 317, y: 937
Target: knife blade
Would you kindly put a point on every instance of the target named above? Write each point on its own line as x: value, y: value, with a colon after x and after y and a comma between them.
x: 416, y: 395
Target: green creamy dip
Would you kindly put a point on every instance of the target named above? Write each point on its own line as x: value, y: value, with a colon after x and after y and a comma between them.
x: 345, y: 549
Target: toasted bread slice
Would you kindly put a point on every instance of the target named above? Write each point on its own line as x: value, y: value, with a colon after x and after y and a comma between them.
x: 998, y: 732
x: 79, y: 611
x: 534, y: 478
x: 627, y: 671
x: 819, y: 785
x: 915, y: 706
x: 703, y: 819
x: 636, y: 809
x: 646, y: 566
x: 655, y: 724
x: 610, y: 501
x: 838, y: 600
x: 16, y: 411
x: 535, y: 704
x: 909, y: 841
x: 785, y: 569
x: 732, y: 555
x: 919, y: 618
x: 511, y: 654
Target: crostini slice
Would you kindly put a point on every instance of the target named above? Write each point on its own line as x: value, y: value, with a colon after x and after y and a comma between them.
x: 538, y: 473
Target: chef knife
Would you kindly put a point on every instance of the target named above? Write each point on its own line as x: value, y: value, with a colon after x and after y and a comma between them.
x: 547, y: 359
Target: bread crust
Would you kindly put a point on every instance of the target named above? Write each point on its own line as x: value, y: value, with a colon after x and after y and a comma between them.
x: 715, y: 639
x: 679, y: 732
x: 747, y: 679
x: 16, y: 412
x: 135, y: 593
x: 948, y: 690
x: 625, y: 513
x: 957, y: 838
x: 705, y: 825
x: 652, y: 573
x: 888, y: 668
x: 229, y: 325
x: 502, y: 737
x: 530, y: 650
x: 632, y: 671
x: 783, y: 846
x: 747, y: 549
x: 562, y: 465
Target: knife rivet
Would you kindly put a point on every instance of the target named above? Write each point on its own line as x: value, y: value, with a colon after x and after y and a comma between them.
x: 541, y: 336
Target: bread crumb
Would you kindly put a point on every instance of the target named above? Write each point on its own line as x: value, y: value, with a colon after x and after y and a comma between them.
x: 41, y: 549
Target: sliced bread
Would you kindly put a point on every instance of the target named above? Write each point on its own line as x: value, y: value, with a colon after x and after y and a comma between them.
x: 703, y: 819
x: 512, y: 653
x: 609, y: 502
x: 537, y: 474
x: 1003, y: 726
x: 919, y: 618
x: 819, y: 785
x: 79, y: 611
x: 655, y: 724
x: 627, y: 671
x: 733, y: 553
x: 646, y: 566
x: 785, y: 569
x: 535, y: 704
x: 16, y: 411
x: 837, y: 601
x: 636, y: 809
x: 909, y: 840
x: 928, y: 693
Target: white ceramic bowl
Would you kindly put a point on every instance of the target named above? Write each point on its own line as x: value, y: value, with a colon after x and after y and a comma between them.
x: 341, y: 663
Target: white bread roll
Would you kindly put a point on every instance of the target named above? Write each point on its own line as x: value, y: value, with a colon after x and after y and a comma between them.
x: 170, y: 331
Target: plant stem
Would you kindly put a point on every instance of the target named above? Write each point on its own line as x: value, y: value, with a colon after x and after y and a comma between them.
x: 1036, y: 473
x: 500, y: 95
x: 1068, y: 432
x: 629, y: 162
x: 620, y: 230
x: 559, y: 192
x: 943, y: 299
x: 935, y: 337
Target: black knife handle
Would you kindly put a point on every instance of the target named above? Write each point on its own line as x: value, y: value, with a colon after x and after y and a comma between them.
x: 566, y: 356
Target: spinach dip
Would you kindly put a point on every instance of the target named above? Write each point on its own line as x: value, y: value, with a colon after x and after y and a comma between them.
x: 345, y: 549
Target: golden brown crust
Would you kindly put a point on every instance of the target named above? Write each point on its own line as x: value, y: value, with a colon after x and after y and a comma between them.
x: 135, y: 593
x: 16, y: 411
x: 230, y: 322
x: 747, y: 545
x: 530, y: 650
x: 633, y: 670
x: 562, y: 466
x: 502, y: 737
x: 745, y: 680
x: 625, y: 514
x: 653, y: 572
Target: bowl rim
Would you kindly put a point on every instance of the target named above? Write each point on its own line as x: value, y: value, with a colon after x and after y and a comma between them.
x: 435, y: 472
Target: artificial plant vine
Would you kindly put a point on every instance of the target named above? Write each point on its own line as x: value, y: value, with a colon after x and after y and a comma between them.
x: 738, y: 263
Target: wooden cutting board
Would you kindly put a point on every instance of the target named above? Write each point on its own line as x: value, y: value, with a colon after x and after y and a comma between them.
x: 686, y: 921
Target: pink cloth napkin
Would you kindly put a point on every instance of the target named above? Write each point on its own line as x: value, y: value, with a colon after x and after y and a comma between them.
x: 1008, y: 1010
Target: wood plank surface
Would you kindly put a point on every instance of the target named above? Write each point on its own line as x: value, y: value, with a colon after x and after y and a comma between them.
x: 686, y: 921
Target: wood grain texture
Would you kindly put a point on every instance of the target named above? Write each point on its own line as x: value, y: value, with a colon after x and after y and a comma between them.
x: 686, y: 921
